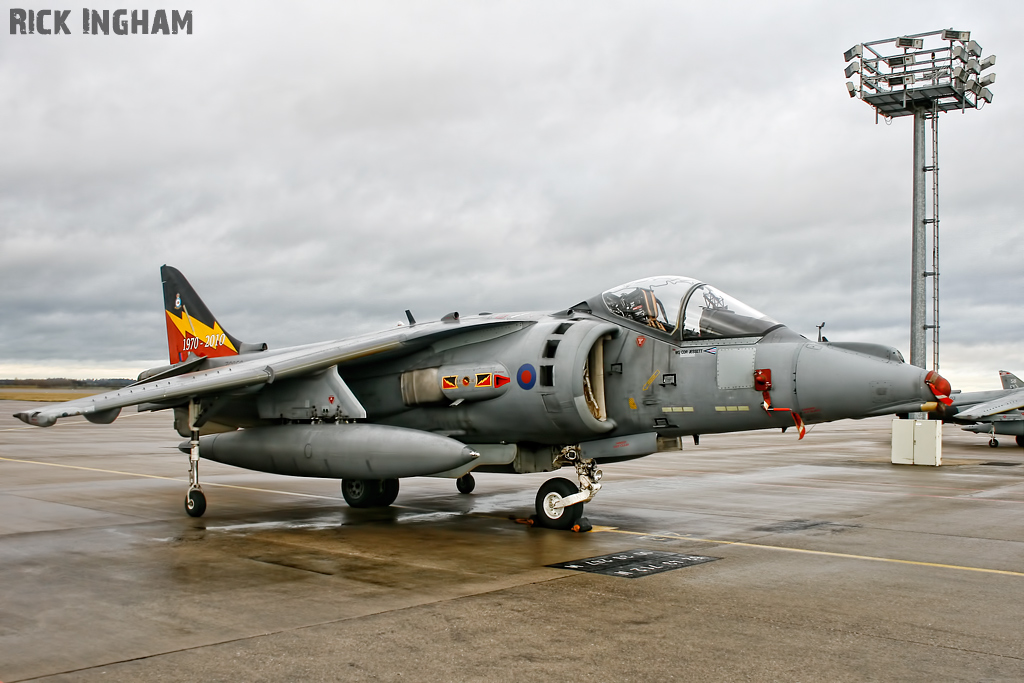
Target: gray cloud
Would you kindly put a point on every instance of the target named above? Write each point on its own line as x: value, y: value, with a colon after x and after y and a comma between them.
x: 316, y: 168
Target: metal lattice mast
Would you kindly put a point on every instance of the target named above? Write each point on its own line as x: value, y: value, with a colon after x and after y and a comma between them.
x: 935, y: 240
x: 919, y: 238
x: 922, y: 81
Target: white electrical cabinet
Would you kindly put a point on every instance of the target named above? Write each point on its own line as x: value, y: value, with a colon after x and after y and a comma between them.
x: 917, y: 442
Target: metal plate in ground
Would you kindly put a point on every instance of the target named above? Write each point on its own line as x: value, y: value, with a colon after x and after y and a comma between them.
x: 633, y: 564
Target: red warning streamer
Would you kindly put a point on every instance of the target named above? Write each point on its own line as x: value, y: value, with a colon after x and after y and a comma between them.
x: 763, y: 382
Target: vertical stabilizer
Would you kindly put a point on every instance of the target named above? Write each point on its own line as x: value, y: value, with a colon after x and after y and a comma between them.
x: 191, y: 327
x: 1010, y: 380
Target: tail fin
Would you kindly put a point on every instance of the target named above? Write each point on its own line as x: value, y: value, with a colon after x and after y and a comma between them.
x: 1010, y: 380
x: 191, y: 328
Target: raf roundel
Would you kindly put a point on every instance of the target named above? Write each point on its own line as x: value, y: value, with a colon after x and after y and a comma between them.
x: 527, y: 376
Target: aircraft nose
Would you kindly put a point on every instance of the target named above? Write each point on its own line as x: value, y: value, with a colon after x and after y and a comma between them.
x: 939, y: 386
x: 834, y: 383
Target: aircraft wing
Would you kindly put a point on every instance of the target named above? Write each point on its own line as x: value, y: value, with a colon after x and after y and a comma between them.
x: 262, y: 368
x: 1011, y: 401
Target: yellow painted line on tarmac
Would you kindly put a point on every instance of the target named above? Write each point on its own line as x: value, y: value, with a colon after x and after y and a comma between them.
x: 826, y: 553
x: 157, y: 476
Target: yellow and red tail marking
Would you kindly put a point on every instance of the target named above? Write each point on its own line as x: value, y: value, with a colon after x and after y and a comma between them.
x: 187, y: 335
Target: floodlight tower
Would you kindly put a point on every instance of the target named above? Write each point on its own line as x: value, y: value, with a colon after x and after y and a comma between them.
x: 922, y: 82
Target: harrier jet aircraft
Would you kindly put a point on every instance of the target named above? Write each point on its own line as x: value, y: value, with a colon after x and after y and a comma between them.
x: 621, y: 375
x: 992, y: 412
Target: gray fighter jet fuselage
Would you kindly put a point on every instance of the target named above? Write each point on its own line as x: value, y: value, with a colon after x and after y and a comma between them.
x: 991, y: 412
x: 619, y: 376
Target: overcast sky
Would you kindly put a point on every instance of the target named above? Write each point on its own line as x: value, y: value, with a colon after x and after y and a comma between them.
x: 315, y: 168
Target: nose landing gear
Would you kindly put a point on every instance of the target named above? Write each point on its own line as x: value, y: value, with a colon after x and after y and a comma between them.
x: 560, y: 502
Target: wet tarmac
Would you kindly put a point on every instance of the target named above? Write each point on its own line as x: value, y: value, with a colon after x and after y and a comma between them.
x: 834, y: 565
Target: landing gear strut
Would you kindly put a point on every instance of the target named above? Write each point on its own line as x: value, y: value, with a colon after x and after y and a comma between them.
x: 195, y: 499
x: 559, y: 501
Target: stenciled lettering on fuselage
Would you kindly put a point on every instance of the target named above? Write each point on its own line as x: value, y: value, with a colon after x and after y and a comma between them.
x: 689, y: 353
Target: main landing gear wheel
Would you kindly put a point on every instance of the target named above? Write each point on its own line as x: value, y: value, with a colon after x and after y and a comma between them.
x: 1019, y: 440
x: 466, y: 483
x: 388, y: 492
x: 195, y: 503
x: 550, y: 493
x: 993, y: 443
x: 369, y: 493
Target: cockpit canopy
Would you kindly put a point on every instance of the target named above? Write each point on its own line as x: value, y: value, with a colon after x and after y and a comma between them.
x: 683, y: 308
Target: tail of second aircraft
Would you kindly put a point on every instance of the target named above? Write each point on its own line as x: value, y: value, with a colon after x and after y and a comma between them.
x: 191, y: 327
x: 1010, y: 380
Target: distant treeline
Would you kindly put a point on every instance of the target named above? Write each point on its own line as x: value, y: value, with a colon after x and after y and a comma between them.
x: 63, y: 383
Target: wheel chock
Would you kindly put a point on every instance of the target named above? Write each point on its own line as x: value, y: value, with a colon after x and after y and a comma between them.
x: 582, y: 526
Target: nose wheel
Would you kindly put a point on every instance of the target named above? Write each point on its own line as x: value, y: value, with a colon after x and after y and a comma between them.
x: 552, y: 512
x: 559, y: 501
x: 993, y: 443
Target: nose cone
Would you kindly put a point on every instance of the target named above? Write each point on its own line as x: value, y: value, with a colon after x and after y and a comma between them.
x: 939, y: 387
x: 834, y: 383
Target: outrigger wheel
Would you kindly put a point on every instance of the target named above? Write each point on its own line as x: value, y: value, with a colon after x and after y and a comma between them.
x: 466, y: 483
x: 369, y: 493
x: 195, y: 500
x: 195, y: 503
x: 552, y: 491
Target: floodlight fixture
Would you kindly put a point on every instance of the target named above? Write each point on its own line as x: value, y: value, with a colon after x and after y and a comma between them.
x: 898, y: 80
x: 921, y: 75
x: 950, y: 34
x: 910, y: 43
x: 900, y: 60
